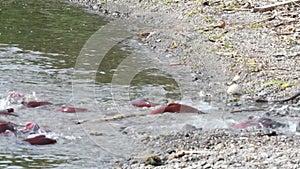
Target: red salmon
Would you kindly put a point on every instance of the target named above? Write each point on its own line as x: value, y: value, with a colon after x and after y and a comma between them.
x: 40, y: 140
x: 4, y: 125
x: 33, y: 104
x: 67, y: 109
x: 176, y: 108
x: 8, y: 112
x: 141, y: 102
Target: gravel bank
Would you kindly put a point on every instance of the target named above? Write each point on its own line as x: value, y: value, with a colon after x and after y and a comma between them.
x: 223, y: 44
x: 220, y: 149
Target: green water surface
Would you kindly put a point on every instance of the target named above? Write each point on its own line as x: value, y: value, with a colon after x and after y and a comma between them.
x: 48, y: 26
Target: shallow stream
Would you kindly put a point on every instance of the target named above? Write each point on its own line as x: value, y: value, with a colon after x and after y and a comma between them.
x: 55, y: 52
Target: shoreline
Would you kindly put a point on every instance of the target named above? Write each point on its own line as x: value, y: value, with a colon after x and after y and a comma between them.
x: 245, y: 51
x: 248, y: 51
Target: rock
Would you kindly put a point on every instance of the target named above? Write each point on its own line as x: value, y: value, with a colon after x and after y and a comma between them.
x: 236, y: 78
x: 204, y: 96
x: 298, y: 127
x: 153, y: 160
x: 189, y: 127
x: 234, y: 89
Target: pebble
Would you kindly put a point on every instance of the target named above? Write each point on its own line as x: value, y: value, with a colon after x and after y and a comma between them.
x: 236, y: 78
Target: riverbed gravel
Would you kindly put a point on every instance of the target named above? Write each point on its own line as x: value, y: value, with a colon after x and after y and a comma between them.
x: 222, y: 43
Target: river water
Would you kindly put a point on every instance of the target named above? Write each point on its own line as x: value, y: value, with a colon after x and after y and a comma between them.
x: 55, y: 52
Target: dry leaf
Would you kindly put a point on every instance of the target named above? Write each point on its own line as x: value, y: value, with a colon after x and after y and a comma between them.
x: 144, y: 34
x: 173, y: 46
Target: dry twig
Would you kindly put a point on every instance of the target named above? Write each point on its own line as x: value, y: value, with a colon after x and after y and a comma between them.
x: 280, y: 100
x: 183, y: 153
x: 243, y: 110
x: 176, y: 63
x: 273, y: 6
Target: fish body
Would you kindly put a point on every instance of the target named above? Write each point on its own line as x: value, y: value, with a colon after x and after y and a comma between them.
x: 33, y: 104
x: 141, y: 102
x: 8, y: 112
x: 4, y: 125
x: 67, y: 109
x: 40, y: 140
x: 8, y: 133
x: 175, y: 108
x: 259, y: 122
x: 30, y: 127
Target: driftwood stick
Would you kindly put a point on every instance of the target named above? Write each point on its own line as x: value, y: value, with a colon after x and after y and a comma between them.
x: 273, y: 6
x: 111, y: 118
x: 176, y: 63
x: 280, y: 100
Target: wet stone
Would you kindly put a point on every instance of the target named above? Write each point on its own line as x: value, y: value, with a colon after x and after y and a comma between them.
x: 189, y: 127
x: 298, y: 127
x: 153, y: 160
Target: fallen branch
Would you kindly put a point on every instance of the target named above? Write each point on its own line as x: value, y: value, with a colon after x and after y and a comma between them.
x: 280, y: 100
x: 273, y: 6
